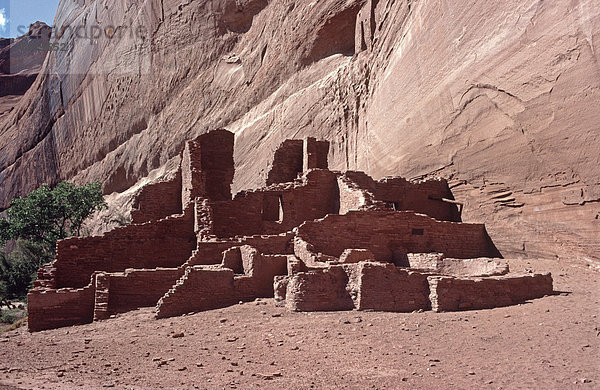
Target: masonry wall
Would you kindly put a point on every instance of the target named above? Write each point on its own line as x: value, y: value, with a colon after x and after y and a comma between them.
x: 140, y: 288
x: 354, y: 196
x: 323, y: 290
x: 391, y: 235
x: 157, y: 201
x: 166, y: 243
x: 452, y: 294
x: 315, y: 154
x: 49, y: 309
x: 287, y: 162
x: 397, y: 194
x: 278, y: 208
x: 211, y: 252
x: 384, y: 287
x: 364, y: 286
x: 207, y: 167
x: 201, y: 288
x: 421, y: 197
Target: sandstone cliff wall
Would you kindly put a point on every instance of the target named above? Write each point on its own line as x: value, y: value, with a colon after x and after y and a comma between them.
x: 499, y: 97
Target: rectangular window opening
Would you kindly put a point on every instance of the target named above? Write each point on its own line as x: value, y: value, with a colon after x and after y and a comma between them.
x: 272, y: 208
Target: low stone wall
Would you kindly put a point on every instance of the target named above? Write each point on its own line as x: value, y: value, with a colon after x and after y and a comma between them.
x: 49, y: 309
x: 362, y: 286
x: 451, y: 294
x: 214, y: 286
x: 133, y: 289
x: 323, y: 290
x: 211, y: 252
x: 436, y: 262
x: 384, y: 287
x: 203, y: 287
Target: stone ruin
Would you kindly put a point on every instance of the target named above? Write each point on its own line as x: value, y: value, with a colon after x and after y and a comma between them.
x: 313, y: 239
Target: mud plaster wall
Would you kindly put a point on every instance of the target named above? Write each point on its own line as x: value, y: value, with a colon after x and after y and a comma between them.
x: 417, y: 197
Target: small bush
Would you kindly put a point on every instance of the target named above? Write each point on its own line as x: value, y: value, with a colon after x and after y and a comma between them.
x: 10, y: 316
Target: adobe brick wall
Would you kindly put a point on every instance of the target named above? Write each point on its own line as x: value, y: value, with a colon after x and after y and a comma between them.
x: 207, y: 167
x: 451, y: 294
x: 390, y: 235
x: 166, y: 243
x: 250, y: 212
x: 157, y: 201
x: 287, y: 162
x: 49, y: 309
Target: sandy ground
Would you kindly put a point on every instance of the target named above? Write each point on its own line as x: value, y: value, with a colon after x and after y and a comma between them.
x: 549, y: 343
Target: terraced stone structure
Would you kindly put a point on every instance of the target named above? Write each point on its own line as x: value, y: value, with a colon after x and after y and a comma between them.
x: 314, y: 239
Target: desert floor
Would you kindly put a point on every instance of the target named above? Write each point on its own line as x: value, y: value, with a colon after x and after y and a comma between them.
x: 548, y: 343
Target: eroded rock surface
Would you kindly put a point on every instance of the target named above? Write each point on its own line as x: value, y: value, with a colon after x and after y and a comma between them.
x: 502, y: 98
x: 21, y: 60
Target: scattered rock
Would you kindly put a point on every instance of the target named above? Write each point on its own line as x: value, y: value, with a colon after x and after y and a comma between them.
x: 178, y: 335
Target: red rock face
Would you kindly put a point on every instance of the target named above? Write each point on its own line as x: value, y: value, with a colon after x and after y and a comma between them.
x: 500, y: 98
x: 21, y: 60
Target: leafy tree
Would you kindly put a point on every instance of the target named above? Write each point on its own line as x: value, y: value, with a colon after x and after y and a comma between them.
x: 36, y: 222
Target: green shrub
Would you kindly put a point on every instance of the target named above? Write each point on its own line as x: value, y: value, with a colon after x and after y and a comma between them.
x: 37, y: 221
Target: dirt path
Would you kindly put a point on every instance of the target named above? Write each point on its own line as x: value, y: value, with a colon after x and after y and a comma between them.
x: 549, y: 343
